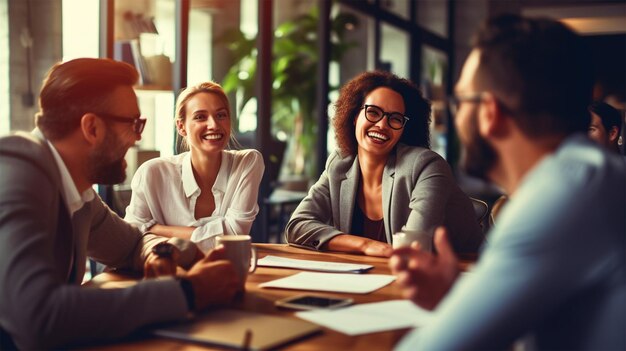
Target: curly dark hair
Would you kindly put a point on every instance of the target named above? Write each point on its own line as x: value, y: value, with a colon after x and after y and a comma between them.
x: 352, y: 96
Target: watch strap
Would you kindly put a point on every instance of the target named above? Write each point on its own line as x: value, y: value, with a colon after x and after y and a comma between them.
x: 163, y: 250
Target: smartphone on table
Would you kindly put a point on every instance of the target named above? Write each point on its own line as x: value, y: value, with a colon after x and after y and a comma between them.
x: 313, y: 302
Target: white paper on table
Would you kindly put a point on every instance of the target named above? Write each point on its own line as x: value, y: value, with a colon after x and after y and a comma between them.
x: 324, y: 266
x: 335, y: 282
x: 370, y: 317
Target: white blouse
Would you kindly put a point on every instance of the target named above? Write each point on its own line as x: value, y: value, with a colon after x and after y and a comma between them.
x: 165, y: 192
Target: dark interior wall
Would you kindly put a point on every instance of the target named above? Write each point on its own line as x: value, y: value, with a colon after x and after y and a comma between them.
x: 44, y: 25
x: 609, y: 61
x: 609, y: 51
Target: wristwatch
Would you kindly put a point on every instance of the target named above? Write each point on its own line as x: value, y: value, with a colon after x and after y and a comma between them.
x: 163, y: 250
x: 190, y: 296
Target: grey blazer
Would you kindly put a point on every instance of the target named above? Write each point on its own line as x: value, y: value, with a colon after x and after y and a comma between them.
x: 43, y: 252
x: 419, y: 191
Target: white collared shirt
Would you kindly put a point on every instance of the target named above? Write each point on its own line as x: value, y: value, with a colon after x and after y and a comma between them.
x: 73, y: 200
x: 165, y: 192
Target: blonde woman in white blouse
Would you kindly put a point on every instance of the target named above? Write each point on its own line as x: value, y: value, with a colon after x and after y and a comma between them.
x: 207, y: 191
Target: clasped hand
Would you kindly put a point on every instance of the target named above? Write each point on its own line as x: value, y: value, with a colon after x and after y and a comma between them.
x: 425, y: 277
x: 156, y: 266
x: 213, y: 278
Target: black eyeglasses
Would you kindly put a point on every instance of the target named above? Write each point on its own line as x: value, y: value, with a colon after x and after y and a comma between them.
x: 138, y: 122
x: 395, y: 120
x: 455, y: 101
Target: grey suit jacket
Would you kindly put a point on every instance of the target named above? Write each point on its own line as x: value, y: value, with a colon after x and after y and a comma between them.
x: 419, y: 191
x: 43, y: 252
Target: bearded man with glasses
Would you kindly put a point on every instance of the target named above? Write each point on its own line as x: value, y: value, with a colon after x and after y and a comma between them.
x: 383, y: 178
x: 51, y: 220
x: 554, y: 270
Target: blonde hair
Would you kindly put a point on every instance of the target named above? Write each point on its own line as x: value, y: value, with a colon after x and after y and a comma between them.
x: 189, y: 92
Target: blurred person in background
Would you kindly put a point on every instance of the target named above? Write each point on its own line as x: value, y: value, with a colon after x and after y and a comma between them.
x: 606, y: 125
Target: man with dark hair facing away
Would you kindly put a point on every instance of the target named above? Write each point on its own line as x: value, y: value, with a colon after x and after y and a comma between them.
x: 554, y: 266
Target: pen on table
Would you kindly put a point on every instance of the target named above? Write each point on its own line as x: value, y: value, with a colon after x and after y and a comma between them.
x: 247, y: 339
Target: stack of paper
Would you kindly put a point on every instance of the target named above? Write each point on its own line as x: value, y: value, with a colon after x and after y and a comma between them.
x: 323, y: 266
x: 335, y: 282
x: 370, y: 317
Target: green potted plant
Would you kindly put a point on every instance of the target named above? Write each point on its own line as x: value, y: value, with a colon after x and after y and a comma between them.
x: 294, y: 71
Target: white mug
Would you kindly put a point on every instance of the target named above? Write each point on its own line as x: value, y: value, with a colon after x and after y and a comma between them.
x: 239, y: 251
x: 405, y: 237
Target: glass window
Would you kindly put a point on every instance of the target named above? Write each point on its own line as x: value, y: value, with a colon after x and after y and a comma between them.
x: 233, y: 62
x: 433, y: 15
x: 361, y: 56
x: 398, y: 7
x: 357, y: 47
x: 394, y: 53
x: 200, y: 50
x: 80, y: 29
x: 434, y: 77
x: 210, y: 57
x: 249, y: 18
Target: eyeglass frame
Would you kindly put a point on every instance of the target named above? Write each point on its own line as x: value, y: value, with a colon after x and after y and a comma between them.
x: 138, y: 122
x: 474, y: 98
x: 388, y: 114
x: 455, y: 101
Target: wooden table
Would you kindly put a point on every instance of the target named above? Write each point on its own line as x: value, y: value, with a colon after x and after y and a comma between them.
x: 262, y: 300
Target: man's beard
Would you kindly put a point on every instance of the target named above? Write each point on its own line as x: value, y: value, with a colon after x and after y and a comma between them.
x: 478, y: 156
x: 106, y: 161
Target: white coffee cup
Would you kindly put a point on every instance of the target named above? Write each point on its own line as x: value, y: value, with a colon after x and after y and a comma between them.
x: 239, y: 251
x: 400, y: 239
x: 405, y: 237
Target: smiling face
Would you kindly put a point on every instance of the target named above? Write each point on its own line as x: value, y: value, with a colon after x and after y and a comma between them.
x: 379, y: 138
x: 206, y: 126
x: 106, y: 163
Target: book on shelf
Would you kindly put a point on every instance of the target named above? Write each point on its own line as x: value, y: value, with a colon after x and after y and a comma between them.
x: 123, y: 52
x: 129, y: 51
x: 140, y: 63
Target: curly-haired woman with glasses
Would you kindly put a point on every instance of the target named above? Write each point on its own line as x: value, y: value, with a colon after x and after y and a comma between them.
x: 382, y: 177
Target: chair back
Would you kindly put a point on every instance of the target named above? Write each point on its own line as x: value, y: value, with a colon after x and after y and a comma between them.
x: 495, y: 210
x: 481, y: 212
x: 6, y: 342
